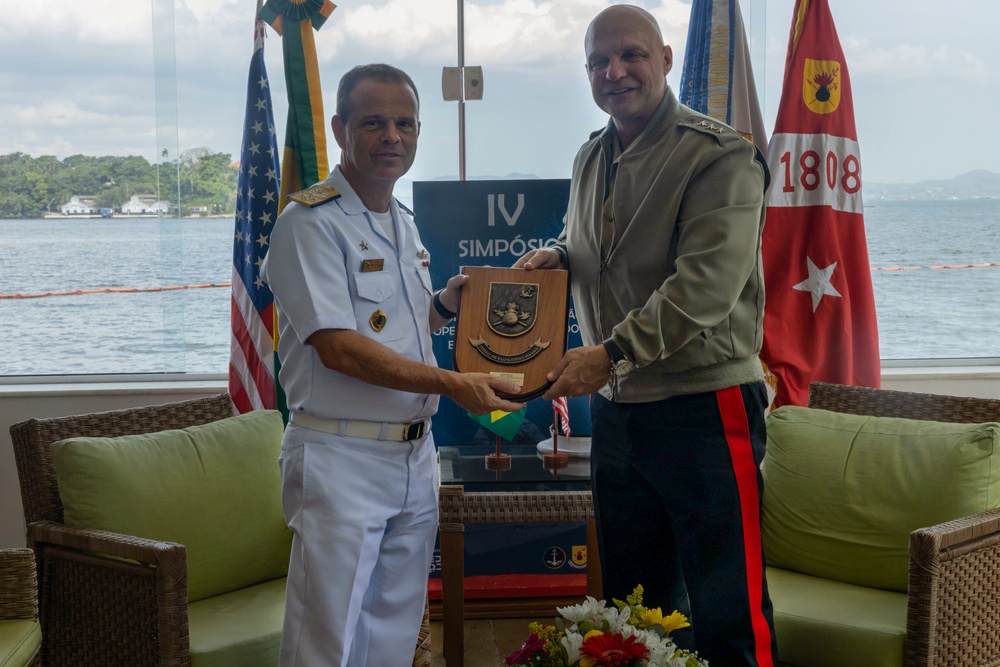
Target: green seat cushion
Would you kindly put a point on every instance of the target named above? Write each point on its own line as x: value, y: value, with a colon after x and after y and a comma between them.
x: 842, y: 493
x: 20, y: 641
x: 214, y: 488
x: 824, y: 623
x: 240, y: 629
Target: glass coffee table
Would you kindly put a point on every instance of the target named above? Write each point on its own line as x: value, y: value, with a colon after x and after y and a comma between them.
x: 526, y: 492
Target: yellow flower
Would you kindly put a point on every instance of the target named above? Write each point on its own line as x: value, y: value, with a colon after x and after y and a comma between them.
x: 652, y: 617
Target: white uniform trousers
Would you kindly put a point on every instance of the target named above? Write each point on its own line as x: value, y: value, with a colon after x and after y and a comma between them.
x: 364, y: 516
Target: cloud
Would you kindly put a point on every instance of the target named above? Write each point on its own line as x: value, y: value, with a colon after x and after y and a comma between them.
x: 80, y: 75
x: 907, y: 61
x: 109, y: 22
x: 506, y: 35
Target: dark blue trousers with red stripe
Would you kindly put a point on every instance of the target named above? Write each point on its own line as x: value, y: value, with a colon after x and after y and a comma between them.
x: 677, y: 492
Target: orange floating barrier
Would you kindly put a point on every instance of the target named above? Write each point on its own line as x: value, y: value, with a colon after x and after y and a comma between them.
x: 114, y: 290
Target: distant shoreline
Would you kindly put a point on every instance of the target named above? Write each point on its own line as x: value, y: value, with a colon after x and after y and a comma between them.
x: 98, y: 216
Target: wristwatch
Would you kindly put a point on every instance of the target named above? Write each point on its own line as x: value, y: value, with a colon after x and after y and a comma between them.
x: 620, y: 364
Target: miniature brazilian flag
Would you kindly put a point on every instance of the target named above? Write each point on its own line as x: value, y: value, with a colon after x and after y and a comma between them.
x: 504, y: 424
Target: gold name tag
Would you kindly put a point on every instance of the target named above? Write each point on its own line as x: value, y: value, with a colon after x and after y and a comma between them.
x: 372, y: 265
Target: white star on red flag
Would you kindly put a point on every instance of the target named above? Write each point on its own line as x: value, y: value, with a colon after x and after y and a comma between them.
x: 818, y: 283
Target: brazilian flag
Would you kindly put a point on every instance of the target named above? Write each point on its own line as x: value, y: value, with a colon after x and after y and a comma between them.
x: 304, y: 160
x: 504, y: 424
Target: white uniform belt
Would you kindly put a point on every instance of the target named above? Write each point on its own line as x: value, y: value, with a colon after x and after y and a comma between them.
x: 357, y: 428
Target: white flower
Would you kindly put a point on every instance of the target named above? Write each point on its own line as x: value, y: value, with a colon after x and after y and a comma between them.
x: 572, y: 641
x: 582, y: 612
x: 660, y: 648
x: 618, y: 620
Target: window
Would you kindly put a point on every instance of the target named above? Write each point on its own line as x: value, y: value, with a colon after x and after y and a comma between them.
x: 139, y: 106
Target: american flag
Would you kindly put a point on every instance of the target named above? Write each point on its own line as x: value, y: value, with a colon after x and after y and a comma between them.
x: 560, y: 407
x: 251, y: 361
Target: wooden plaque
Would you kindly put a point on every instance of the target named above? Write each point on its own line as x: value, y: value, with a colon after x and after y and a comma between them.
x: 513, y: 323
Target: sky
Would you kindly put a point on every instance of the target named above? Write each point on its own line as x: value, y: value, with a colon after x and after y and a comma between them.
x: 78, y: 77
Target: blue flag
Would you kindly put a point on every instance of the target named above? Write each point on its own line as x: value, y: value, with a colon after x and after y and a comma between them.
x: 717, y: 79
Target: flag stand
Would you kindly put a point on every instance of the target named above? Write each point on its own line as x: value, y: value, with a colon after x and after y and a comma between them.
x: 498, y: 460
x: 555, y: 460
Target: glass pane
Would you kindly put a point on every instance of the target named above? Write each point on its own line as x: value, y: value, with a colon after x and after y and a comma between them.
x: 165, y: 83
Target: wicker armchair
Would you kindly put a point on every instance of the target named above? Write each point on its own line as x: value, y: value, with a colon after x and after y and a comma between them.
x: 110, y: 599
x: 953, y: 607
x: 105, y: 598
x: 19, y: 602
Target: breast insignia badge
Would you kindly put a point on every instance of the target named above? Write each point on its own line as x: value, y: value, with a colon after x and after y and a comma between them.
x: 377, y: 320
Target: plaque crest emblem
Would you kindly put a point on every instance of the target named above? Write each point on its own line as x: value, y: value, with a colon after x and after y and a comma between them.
x: 513, y: 308
x: 500, y: 306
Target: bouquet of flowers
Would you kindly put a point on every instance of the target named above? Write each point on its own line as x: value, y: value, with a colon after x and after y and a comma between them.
x: 595, y: 635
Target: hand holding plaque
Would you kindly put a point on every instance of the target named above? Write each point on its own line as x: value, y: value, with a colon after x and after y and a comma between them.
x: 513, y: 324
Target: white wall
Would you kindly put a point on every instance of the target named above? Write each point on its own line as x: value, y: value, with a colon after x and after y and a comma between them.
x: 20, y: 402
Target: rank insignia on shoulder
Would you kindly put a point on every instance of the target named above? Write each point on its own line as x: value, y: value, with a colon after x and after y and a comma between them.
x: 314, y: 196
x: 711, y: 127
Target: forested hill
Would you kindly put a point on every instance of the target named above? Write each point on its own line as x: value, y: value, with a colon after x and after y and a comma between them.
x: 31, y: 186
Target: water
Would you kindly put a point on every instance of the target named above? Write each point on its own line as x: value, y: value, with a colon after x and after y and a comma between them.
x: 183, y: 331
x: 922, y: 312
x: 933, y: 313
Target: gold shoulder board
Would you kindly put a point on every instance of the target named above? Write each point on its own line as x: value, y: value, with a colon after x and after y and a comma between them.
x: 314, y: 196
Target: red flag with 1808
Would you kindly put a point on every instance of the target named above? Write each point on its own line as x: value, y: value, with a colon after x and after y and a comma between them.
x: 819, y: 322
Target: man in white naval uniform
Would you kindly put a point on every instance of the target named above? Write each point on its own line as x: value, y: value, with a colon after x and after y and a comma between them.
x: 356, y: 311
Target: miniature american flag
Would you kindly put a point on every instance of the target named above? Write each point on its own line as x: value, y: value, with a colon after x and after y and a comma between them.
x: 561, y: 407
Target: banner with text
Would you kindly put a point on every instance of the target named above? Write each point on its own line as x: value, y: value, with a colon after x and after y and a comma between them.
x: 491, y: 223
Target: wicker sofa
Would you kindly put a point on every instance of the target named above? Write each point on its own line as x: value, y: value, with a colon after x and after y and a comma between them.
x: 20, y: 632
x: 855, y: 577
x: 110, y: 597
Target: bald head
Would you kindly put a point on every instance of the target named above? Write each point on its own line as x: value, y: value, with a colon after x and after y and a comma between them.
x: 621, y: 14
x: 627, y: 63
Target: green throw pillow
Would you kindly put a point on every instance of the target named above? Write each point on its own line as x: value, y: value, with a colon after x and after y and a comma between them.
x: 214, y: 488
x: 842, y: 493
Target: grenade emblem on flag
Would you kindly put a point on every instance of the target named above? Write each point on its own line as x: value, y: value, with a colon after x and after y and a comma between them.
x: 821, y: 85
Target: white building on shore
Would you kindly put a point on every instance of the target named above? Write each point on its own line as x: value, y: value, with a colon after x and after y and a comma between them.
x: 145, y: 205
x: 81, y: 205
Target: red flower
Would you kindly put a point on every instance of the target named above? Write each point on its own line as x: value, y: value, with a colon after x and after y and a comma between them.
x: 608, y: 650
x: 527, y: 650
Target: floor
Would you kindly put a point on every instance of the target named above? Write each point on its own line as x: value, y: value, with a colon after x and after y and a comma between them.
x: 487, y: 641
